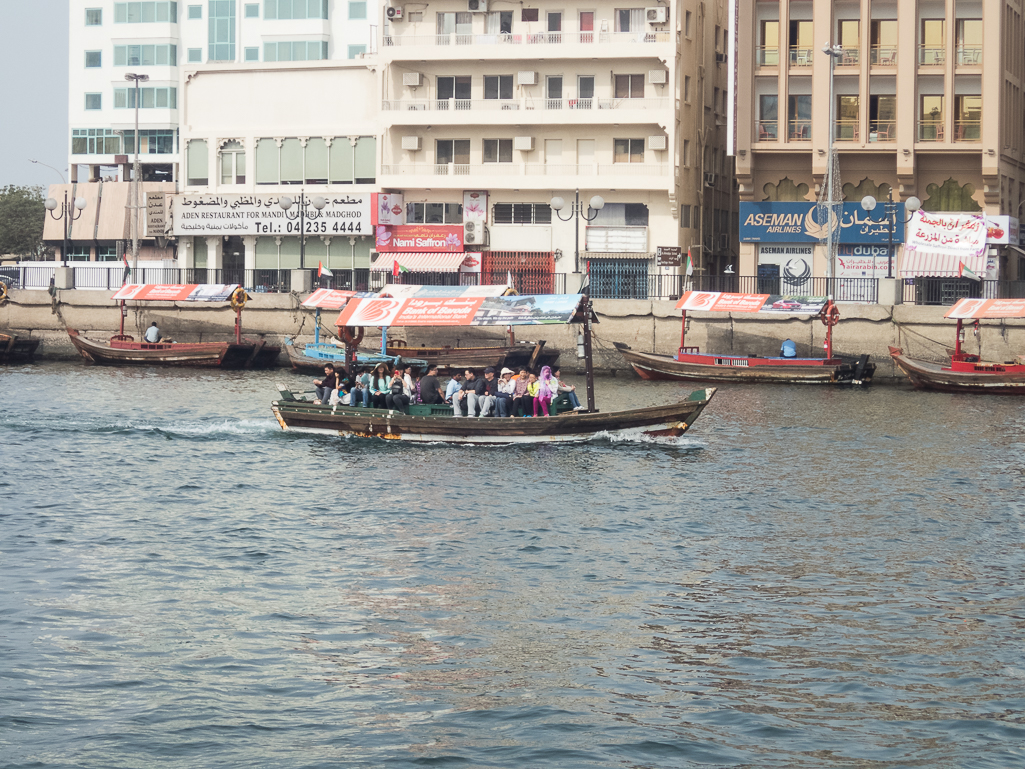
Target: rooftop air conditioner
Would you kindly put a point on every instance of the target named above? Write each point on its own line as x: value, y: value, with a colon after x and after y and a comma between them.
x: 659, y: 142
x: 524, y: 143
x: 477, y: 6
x: 721, y: 58
x: 411, y: 143
x: 526, y: 78
x: 394, y: 13
x: 412, y: 79
x: 658, y: 76
x: 656, y: 15
x: 711, y: 179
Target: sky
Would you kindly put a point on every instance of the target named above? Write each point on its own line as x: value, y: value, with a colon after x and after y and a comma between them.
x: 33, y: 91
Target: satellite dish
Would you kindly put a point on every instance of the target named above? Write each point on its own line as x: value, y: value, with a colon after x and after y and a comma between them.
x: 728, y: 270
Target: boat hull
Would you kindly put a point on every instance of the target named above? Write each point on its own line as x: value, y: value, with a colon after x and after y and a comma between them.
x: 14, y: 350
x: 225, y: 355
x: 573, y: 427
x: 734, y: 368
x: 972, y: 376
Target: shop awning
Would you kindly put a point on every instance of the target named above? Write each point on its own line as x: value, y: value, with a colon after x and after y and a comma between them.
x: 938, y: 244
x: 421, y: 261
x: 930, y: 264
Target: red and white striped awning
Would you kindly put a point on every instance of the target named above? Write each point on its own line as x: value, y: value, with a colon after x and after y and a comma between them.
x: 421, y: 261
x: 930, y: 264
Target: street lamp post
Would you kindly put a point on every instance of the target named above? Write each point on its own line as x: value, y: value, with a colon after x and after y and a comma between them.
x: 286, y: 203
x: 576, y: 211
x: 912, y: 204
x: 70, y: 211
x: 50, y: 167
x: 132, y: 77
x: 833, y: 52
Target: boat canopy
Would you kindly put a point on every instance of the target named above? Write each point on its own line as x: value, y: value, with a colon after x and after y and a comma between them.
x: 776, y: 304
x: 966, y: 309
x: 158, y: 292
x: 401, y: 290
x: 530, y: 310
x: 332, y: 299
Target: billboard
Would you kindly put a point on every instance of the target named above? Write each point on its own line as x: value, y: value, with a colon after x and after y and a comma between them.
x: 799, y: 223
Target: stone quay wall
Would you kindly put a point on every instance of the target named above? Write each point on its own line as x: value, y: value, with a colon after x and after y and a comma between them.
x: 648, y: 325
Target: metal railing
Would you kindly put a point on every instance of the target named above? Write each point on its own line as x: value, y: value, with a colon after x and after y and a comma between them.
x: 847, y: 130
x: 801, y: 57
x: 587, y: 37
x: 525, y: 169
x: 799, y: 130
x: 947, y: 291
x: 495, y: 105
x: 659, y: 286
x: 850, y: 57
x: 883, y: 55
x: 882, y: 131
x: 930, y: 130
x: 768, y: 130
x: 930, y: 55
x: 967, y: 130
x: 767, y: 56
x: 968, y: 55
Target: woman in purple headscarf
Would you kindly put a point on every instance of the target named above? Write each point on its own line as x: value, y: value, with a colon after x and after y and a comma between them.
x: 547, y: 387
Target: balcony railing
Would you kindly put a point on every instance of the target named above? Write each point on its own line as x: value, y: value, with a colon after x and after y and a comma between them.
x: 847, y: 131
x: 768, y: 130
x: 929, y: 55
x: 968, y: 56
x: 967, y: 130
x: 801, y: 57
x: 930, y: 130
x: 495, y: 105
x: 850, y: 57
x: 534, y: 38
x: 883, y: 55
x: 799, y: 130
x: 882, y: 131
x: 526, y: 169
x: 766, y: 56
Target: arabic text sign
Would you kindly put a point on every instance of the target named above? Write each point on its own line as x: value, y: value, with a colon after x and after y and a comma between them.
x: 156, y: 213
x: 260, y: 214
x: 196, y: 292
x: 798, y: 223
x: 460, y: 311
x: 952, y: 234
x: 987, y: 308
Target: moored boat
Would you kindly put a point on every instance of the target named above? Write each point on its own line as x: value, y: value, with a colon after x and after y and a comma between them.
x: 690, y: 364
x: 14, y: 349
x: 310, y: 358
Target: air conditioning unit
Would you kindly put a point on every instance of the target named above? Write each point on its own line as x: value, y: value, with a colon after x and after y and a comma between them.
x: 659, y: 142
x: 411, y: 143
x: 477, y: 6
x: 711, y: 179
x: 524, y: 143
x: 412, y: 79
x: 526, y: 78
x: 473, y: 233
x: 394, y: 13
x: 656, y: 15
x: 658, y: 76
x: 721, y: 58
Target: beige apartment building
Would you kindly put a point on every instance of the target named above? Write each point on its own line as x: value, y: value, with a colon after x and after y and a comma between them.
x: 927, y: 98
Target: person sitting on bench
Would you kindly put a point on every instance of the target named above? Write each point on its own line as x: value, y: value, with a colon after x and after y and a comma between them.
x: 788, y: 349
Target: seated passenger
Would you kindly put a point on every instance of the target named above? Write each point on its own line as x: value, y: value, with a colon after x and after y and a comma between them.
x: 547, y: 386
x: 522, y: 400
x: 455, y: 384
x: 398, y: 392
x: 327, y: 385
x: 380, y: 386
x: 430, y: 388
x: 485, y: 394
x: 153, y: 334
x: 788, y: 349
x: 568, y: 390
x: 461, y: 406
x: 506, y: 388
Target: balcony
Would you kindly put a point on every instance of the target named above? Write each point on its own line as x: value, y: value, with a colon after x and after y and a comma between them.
x: 766, y: 56
x: 799, y: 131
x: 543, y: 111
x: 882, y: 131
x: 539, y: 176
x: 567, y: 44
x: 930, y: 56
x: 801, y: 57
x: 847, y: 131
x: 967, y: 130
x: 850, y: 57
x: 969, y: 56
x: 768, y: 130
x: 930, y: 130
x: 883, y: 56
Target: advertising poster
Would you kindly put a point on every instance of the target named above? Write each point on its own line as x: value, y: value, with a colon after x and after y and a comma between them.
x: 388, y: 208
x: 420, y: 237
x: 201, y: 292
x: 461, y: 311
x: 987, y: 308
x: 790, y: 263
x: 475, y: 206
x: 717, y: 301
x: 799, y: 223
x: 953, y: 234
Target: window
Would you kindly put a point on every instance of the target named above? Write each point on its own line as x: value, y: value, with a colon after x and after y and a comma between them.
x: 585, y: 92
x: 553, y: 85
x: 629, y: 87
x: 456, y: 151
x: 521, y: 213
x: 715, y: 101
x: 850, y: 40
x: 716, y: 38
x: 933, y: 48
x: 93, y: 17
x: 78, y: 253
x: 969, y: 41
x: 95, y: 141
x: 139, y: 13
x: 460, y: 23
x: 357, y: 9
x: 686, y: 23
x: 498, y: 150
x: 768, y: 52
x: 883, y: 37
x: 93, y: 101
x: 93, y: 59
x: 298, y: 50
x: 151, y: 142
x: 222, y: 30
x: 619, y: 227
x: 295, y: 9
x: 847, y: 111
x: 252, y: 10
x: 198, y: 171
x: 498, y: 86
x: 882, y: 118
x: 341, y: 162
x: 195, y: 55
x: 145, y: 55
x: 686, y: 88
x: 802, y: 45
x: 967, y: 118
x: 628, y: 151
x: 498, y: 23
x: 107, y: 254
x: 149, y: 98
x: 251, y: 54
x: 195, y: 12
x: 353, y: 52
x: 686, y: 152
x: 453, y: 88
x: 684, y: 217
x: 799, y: 117
x: 586, y: 23
x: 434, y: 213
x: 529, y: 14
x: 233, y: 163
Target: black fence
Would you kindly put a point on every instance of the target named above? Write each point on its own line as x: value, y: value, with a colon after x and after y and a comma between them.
x: 947, y: 291
x: 673, y: 286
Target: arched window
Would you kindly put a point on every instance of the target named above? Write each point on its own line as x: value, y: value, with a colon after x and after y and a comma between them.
x: 233, y: 163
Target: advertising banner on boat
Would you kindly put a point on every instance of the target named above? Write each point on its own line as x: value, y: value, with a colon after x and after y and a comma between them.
x: 717, y: 301
x: 799, y: 222
x: 197, y: 292
x: 987, y: 308
x: 259, y: 214
x: 328, y: 299
x: 397, y: 290
x: 460, y: 311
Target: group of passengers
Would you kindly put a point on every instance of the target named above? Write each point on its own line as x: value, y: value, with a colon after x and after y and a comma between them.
x: 469, y: 394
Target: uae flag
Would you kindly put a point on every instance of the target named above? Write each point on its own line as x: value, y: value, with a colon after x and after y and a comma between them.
x: 128, y: 270
x: 397, y: 268
x: 323, y: 271
x: 964, y: 272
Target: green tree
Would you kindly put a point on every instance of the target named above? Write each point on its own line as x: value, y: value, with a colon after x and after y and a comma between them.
x: 22, y: 214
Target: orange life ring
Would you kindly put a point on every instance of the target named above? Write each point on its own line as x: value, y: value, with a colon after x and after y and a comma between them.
x: 3, y: 292
x: 830, y: 314
x: 350, y: 338
x: 238, y: 298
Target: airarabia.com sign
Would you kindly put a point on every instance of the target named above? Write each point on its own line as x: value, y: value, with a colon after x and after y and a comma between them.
x: 806, y: 223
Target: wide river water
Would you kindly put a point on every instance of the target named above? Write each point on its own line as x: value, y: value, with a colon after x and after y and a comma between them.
x: 811, y: 577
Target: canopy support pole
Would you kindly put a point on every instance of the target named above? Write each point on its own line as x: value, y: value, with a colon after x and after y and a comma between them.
x: 121, y: 331
x: 238, y: 326
x: 683, y: 331
x: 316, y: 330
x: 384, y: 340
x: 957, y: 341
x: 350, y: 355
x: 588, y: 363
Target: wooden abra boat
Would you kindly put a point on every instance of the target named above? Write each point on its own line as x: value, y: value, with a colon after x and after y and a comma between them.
x: 123, y: 350
x: 310, y: 358
x: 966, y: 372
x: 13, y: 349
x: 690, y: 364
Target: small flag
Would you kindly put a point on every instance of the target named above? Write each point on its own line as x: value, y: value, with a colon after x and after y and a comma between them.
x: 508, y: 279
x: 397, y: 268
x: 690, y: 264
x: 964, y: 272
x: 323, y: 271
x: 128, y: 270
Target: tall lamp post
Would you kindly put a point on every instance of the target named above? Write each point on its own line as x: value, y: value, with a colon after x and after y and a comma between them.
x: 54, y: 169
x: 286, y: 203
x: 576, y: 211
x: 136, y: 172
x: 70, y: 211
x: 834, y: 52
x: 890, y: 206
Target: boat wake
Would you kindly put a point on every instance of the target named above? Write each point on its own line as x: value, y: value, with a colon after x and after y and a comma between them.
x: 183, y: 430
x: 676, y: 442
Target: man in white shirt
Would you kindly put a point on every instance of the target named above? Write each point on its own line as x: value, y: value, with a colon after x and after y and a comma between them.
x: 153, y: 334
